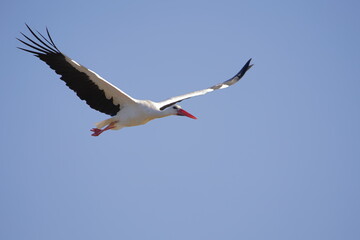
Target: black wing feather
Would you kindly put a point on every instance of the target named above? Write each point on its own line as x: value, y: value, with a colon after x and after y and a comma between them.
x: 78, y: 81
x: 170, y: 104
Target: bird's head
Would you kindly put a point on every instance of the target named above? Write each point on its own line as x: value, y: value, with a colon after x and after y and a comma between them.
x: 177, y: 110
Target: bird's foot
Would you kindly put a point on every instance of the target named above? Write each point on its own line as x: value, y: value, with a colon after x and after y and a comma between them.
x: 96, y: 131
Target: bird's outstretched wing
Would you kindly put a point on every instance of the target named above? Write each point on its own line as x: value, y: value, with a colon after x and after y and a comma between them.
x: 171, y: 101
x: 98, y: 93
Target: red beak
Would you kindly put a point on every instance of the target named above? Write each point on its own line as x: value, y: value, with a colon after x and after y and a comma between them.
x: 182, y: 112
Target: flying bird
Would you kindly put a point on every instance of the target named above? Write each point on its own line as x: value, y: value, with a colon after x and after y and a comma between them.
x: 101, y: 95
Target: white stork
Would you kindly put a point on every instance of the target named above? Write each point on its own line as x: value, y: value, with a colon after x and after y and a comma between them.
x: 102, y: 96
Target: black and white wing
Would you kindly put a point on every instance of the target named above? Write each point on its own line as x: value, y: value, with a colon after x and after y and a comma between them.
x: 171, y: 101
x: 98, y: 93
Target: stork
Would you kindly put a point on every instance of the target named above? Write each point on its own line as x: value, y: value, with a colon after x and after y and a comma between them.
x: 101, y: 95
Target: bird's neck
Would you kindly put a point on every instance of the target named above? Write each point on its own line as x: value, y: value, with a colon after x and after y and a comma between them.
x: 154, y: 111
x: 164, y: 113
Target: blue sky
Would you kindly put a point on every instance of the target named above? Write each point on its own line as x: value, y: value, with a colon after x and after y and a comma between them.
x: 274, y: 157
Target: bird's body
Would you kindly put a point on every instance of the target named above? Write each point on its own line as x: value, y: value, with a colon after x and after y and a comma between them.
x: 136, y: 114
x: 102, y: 96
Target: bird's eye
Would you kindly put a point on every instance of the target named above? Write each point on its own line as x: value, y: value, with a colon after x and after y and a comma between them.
x: 174, y: 107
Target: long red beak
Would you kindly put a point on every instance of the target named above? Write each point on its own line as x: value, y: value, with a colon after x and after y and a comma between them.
x: 182, y: 112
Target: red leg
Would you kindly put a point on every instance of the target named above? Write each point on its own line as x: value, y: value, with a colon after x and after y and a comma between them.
x: 98, y: 131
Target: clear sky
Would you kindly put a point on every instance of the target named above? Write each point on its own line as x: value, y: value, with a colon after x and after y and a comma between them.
x: 276, y: 156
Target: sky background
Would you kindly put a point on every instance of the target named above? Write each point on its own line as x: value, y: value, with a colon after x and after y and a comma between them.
x: 276, y: 156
